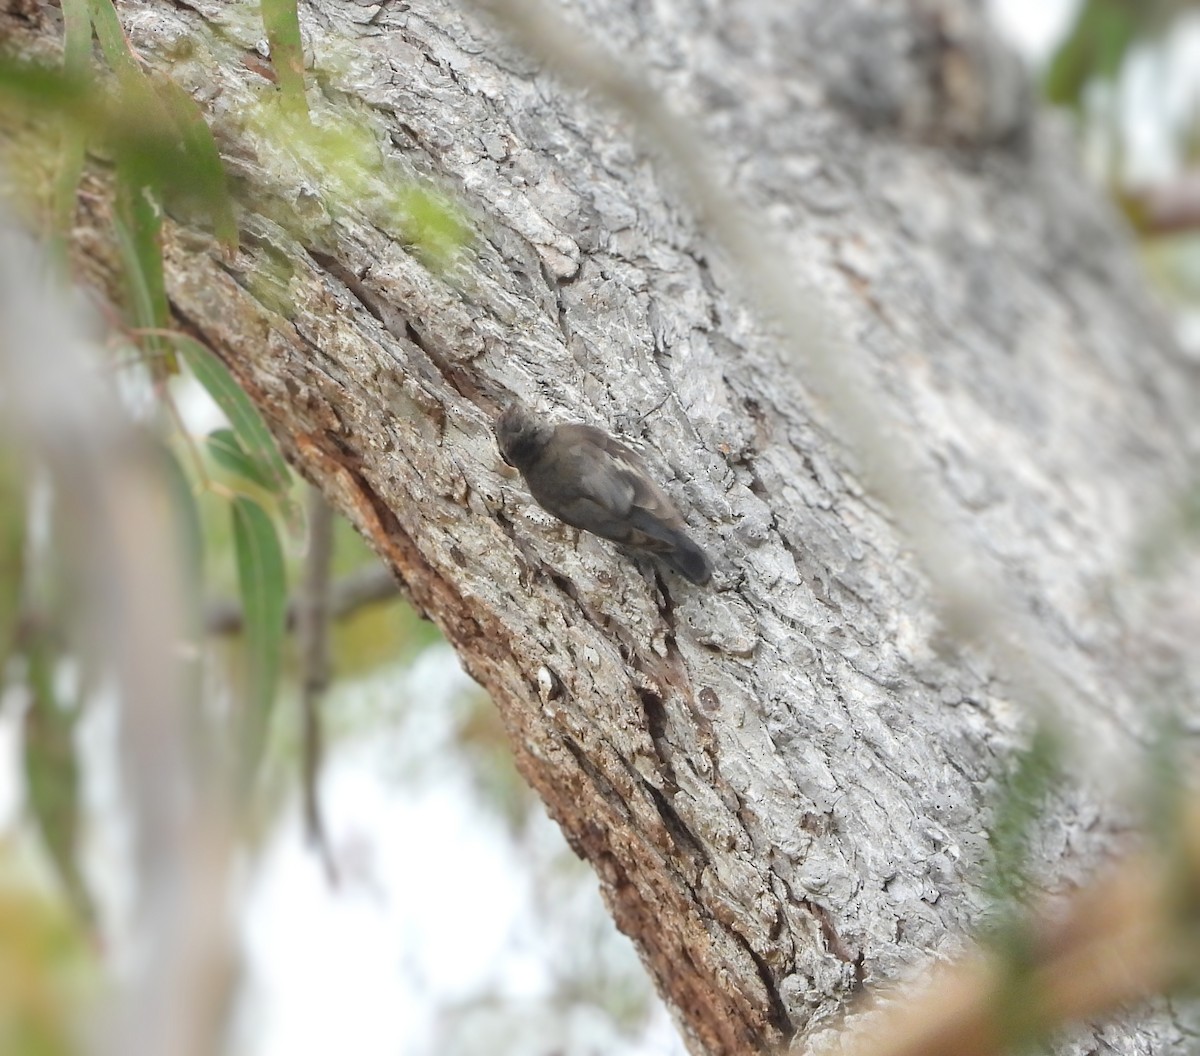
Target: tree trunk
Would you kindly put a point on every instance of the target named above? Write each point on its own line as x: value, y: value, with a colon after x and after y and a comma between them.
x: 783, y: 780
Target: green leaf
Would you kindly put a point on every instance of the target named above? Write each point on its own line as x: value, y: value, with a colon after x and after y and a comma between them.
x: 189, y: 530
x: 1166, y: 783
x: 254, y: 438
x: 1021, y: 804
x: 1104, y: 32
x: 138, y: 224
x: 113, y: 42
x: 262, y: 585
x: 433, y: 225
x: 287, y: 51
x: 12, y: 553
x: 153, y: 129
x: 227, y: 452
x: 199, y: 179
x: 47, y: 89
x: 158, y: 132
x: 52, y: 775
x: 189, y: 536
x: 77, y: 53
x: 77, y: 38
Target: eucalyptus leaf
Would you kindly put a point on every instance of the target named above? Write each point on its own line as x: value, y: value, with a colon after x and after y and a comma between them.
x: 113, y: 42
x: 12, y: 553
x: 138, y: 224
x: 287, y: 50
x: 200, y: 177
x: 77, y: 53
x: 262, y: 586
x: 52, y: 777
x: 223, y: 445
x: 253, y: 436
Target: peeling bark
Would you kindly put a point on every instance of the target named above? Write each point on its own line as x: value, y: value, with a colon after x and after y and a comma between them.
x: 782, y: 781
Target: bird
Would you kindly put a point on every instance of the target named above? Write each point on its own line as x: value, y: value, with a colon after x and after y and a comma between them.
x: 591, y: 480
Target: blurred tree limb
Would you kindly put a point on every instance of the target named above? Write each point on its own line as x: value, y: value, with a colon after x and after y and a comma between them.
x: 1120, y: 940
x: 120, y: 547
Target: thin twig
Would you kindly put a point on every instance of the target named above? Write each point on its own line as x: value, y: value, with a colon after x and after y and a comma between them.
x: 368, y: 586
x: 312, y: 609
x: 1170, y: 208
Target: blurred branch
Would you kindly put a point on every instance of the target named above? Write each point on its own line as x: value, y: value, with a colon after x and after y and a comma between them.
x: 366, y: 587
x: 1127, y: 937
x: 121, y: 545
x: 1166, y: 209
x: 312, y: 616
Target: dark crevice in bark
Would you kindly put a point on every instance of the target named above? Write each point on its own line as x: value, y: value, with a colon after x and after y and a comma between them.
x: 777, y: 1014
x: 656, y: 727
x: 681, y: 835
x: 351, y: 281
x: 397, y: 323
x: 833, y: 941
x: 600, y: 783
x: 626, y: 645
x: 656, y: 715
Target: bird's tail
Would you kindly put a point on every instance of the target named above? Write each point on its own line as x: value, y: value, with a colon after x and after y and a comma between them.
x: 689, y: 560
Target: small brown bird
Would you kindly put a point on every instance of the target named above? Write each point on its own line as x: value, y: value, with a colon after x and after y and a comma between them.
x: 589, y: 480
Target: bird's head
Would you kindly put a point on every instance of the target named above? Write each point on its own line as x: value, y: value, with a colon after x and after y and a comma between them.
x: 521, y: 435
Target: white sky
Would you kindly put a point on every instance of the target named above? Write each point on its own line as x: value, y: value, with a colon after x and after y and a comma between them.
x: 440, y: 905
x: 1034, y: 26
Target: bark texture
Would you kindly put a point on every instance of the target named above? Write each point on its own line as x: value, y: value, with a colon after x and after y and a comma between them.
x: 782, y: 780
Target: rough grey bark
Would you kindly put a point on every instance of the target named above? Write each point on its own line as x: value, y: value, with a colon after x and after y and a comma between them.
x: 782, y: 780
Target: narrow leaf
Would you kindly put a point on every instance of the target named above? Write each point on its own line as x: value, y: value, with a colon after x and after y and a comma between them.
x: 433, y: 225
x: 1102, y: 36
x: 52, y: 775
x: 137, y: 224
x: 12, y: 553
x: 200, y: 175
x: 1021, y: 805
x: 47, y: 88
x: 253, y: 436
x: 113, y: 42
x: 189, y: 530
x: 77, y: 38
x: 77, y: 45
x: 228, y: 453
x: 159, y: 132
x: 263, y: 588
x: 287, y: 51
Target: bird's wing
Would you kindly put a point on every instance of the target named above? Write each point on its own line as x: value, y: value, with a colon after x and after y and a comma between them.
x: 614, y: 471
